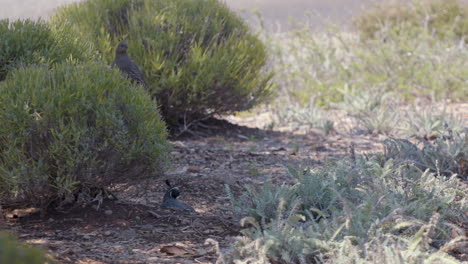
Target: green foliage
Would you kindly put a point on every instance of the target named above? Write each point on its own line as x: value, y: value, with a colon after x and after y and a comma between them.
x: 74, y: 128
x: 14, y: 252
x: 372, y: 109
x: 303, y: 117
x: 27, y: 42
x: 442, y: 18
x: 260, y: 204
x: 198, y: 57
x: 431, y: 122
x: 378, y: 112
x: 445, y: 156
x: 390, y: 249
x: 361, y: 210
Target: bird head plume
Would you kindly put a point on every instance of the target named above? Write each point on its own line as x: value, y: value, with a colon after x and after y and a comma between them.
x: 173, y: 192
x: 122, y: 48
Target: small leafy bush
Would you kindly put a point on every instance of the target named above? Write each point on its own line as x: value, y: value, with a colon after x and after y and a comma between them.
x: 74, y: 128
x: 443, y: 18
x: 198, y: 57
x: 303, y: 117
x: 431, y: 123
x: 27, y: 42
x: 372, y: 109
x: 444, y: 156
x: 389, y: 249
x: 344, y: 211
x: 262, y: 204
x: 14, y: 252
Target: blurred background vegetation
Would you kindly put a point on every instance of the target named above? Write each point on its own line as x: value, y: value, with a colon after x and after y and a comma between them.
x: 14, y: 252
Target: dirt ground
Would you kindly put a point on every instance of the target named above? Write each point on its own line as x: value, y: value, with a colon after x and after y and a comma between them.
x: 134, y: 229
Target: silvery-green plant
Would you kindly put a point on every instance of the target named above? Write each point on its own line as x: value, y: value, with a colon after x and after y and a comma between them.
x: 389, y: 249
x: 430, y: 123
x: 444, y: 156
x: 305, y: 117
x: 372, y: 109
x: 346, y: 208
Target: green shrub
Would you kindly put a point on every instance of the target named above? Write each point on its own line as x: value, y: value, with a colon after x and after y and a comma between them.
x: 303, y: 117
x: 198, y: 57
x: 431, y: 122
x: 372, y: 109
x: 14, y: 252
x: 346, y: 209
x: 443, y: 18
x: 74, y: 128
x: 445, y: 156
x: 28, y: 42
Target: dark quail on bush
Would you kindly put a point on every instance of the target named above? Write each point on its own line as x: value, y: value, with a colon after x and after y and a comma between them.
x: 127, y: 66
x: 170, y: 200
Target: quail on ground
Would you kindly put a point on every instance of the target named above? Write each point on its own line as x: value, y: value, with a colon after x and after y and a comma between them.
x: 170, y: 200
x: 127, y: 66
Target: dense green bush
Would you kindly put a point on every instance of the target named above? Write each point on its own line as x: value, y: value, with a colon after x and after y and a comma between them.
x: 198, y: 57
x: 25, y: 42
x: 444, y: 18
x: 73, y: 128
x: 13, y: 252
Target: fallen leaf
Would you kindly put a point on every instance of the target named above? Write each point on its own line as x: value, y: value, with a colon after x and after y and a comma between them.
x: 193, y: 169
x: 175, y: 250
x: 18, y: 213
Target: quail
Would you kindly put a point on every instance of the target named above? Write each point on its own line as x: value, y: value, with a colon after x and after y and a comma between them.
x: 170, y: 200
x: 126, y: 64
